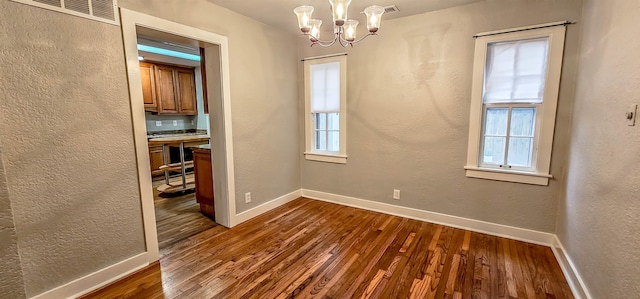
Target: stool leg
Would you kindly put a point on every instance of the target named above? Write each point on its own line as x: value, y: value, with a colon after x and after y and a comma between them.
x: 182, y: 165
x: 166, y: 162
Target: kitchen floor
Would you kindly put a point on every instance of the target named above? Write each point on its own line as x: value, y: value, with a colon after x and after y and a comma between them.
x: 178, y: 217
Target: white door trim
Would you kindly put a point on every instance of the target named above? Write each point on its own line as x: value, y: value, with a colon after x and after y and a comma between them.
x: 225, y: 209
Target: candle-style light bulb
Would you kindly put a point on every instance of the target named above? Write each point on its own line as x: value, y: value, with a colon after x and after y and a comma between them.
x: 374, y: 16
x: 304, y: 15
x: 314, y: 34
x: 339, y: 9
x: 350, y: 27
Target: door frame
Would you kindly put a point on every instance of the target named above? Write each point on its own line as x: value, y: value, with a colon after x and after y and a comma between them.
x: 225, y: 208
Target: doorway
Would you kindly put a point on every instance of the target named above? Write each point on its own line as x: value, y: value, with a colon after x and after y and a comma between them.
x: 215, y: 49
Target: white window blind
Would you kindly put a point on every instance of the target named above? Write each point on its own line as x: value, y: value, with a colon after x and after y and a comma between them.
x: 516, y: 71
x: 325, y: 87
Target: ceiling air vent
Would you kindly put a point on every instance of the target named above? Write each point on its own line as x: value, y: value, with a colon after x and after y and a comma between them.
x: 391, y: 9
x: 98, y: 10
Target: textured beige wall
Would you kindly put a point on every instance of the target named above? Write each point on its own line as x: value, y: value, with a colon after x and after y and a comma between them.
x: 263, y: 95
x: 599, y: 217
x: 408, y: 116
x: 71, y: 166
x: 67, y: 145
x: 11, y: 282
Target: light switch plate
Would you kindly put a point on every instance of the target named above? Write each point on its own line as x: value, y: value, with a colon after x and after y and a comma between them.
x: 175, y: 123
x: 631, y: 115
x: 158, y: 123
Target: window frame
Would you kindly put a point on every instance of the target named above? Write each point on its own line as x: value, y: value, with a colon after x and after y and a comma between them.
x: 311, y: 153
x: 539, y: 173
x: 535, y: 138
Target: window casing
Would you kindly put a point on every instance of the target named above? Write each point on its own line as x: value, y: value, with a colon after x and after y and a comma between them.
x: 516, y: 80
x: 325, y: 109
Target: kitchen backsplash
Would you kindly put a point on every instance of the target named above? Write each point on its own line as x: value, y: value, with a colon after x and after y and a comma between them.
x: 170, y: 122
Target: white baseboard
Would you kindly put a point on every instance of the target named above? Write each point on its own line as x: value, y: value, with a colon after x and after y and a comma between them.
x: 494, y: 229
x: 267, y: 206
x: 97, y: 279
x: 572, y: 275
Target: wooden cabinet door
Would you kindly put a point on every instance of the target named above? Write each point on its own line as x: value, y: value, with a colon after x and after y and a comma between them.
x: 186, y: 83
x: 203, y: 177
x: 147, y: 77
x: 156, y: 159
x: 166, y: 90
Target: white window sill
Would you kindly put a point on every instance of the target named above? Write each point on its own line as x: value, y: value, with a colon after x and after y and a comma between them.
x: 508, y: 175
x: 322, y: 157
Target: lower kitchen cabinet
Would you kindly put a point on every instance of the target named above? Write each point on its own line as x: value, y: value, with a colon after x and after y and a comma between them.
x: 204, y: 179
x: 156, y: 159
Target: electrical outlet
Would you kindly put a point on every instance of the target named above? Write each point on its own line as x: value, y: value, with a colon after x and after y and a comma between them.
x: 175, y: 123
x: 247, y: 197
x: 396, y: 194
x: 158, y: 123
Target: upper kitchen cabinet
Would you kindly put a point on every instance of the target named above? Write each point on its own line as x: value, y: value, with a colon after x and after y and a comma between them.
x: 168, y: 89
x: 148, y: 86
x: 186, y: 80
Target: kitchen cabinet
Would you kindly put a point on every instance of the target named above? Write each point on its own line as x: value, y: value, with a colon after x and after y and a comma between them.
x: 156, y: 159
x: 186, y: 80
x: 148, y: 86
x: 204, y: 179
x: 168, y: 89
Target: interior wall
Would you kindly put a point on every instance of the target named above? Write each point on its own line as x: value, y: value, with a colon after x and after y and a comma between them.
x: 263, y: 95
x: 67, y: 143
x: 598, y: 217
x: 11, y: 282
x: 409, y: 93
x: 202, y: 119
x: 74, y: 185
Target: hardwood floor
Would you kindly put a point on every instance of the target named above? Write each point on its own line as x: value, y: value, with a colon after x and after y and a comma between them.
x: 309, y: 248
x: 178, y: 217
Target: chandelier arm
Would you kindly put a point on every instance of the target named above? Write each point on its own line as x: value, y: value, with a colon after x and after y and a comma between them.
x: 325, y: 44
x: 362, y: 38
x: 341, y: 42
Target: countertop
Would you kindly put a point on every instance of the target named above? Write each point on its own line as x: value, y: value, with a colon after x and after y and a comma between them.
x: 177, y: 139
x: 203, y: 147
x: 171, y: 133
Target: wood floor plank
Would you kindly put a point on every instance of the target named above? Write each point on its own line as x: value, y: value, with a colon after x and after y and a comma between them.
x: 314, y: 249
x: 178, y: 217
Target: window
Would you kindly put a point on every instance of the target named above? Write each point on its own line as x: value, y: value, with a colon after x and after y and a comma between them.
x: 325, y: 109
x: 516, y: 80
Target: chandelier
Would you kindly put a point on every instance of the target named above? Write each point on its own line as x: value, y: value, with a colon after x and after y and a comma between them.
x: 343, y: 28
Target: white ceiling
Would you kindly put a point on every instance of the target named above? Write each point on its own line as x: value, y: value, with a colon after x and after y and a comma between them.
x: 279, y: 13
